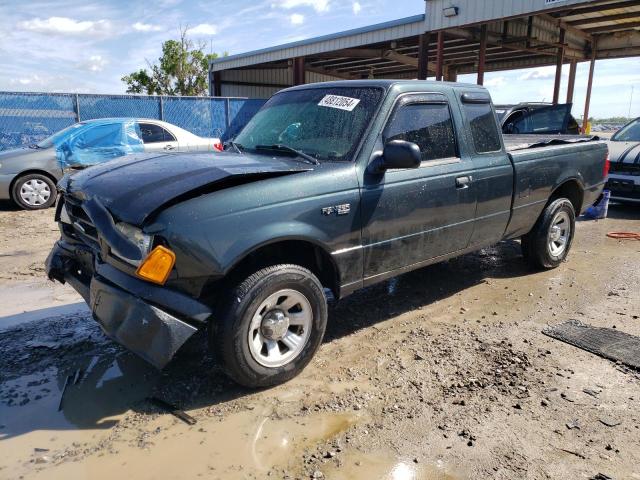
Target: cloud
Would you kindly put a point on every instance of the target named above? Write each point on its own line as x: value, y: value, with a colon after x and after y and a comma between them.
x: 541, y: 73
x: 66, y: 26
x: 496, y: 82
x: 205, y: 29
x: 356, y: 8
x: 146, y: 27
x: 296, y: 19
x: 95, y: 63
x: 317, y: 5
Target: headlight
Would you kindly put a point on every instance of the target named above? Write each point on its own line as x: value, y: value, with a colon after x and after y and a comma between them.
x: 138, y: 238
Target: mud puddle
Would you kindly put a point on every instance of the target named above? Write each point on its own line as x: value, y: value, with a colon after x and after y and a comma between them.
x: 244, y: 445
x: 28, y: 301
x: 382, y: 466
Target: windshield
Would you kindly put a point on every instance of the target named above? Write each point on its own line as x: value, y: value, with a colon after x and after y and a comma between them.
x: 59, y: 136
x: 628, y: 133
x: 325, y: 123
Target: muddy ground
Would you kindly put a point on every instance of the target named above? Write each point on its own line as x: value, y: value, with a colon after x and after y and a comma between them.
x: 442, y: 373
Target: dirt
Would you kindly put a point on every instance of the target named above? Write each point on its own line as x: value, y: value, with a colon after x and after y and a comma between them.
x: 442, y: 373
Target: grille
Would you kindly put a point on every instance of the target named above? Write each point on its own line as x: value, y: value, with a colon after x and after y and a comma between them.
x: 83, y: 229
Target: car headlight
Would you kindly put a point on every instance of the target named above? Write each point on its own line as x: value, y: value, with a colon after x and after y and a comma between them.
x: 138, y: 238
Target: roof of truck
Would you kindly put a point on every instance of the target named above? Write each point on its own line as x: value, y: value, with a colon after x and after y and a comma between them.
x: 387, y: 84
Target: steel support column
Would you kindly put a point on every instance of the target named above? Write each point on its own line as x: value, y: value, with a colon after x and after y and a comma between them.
x: 298, y: 71
x: 573, y: 67
x: 482, y: 54
x: 587, y: 103
x: 217, y: 84
x: 440, y: 57
x: 559, y: 62
x: 423, y: 56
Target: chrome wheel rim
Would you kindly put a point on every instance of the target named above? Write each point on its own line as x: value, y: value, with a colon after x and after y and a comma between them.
x: 35, y: 192
x: 559, y: 234
x: 280, y: 328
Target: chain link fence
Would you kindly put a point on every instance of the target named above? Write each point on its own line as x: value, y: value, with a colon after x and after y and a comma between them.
x: 27, y: 118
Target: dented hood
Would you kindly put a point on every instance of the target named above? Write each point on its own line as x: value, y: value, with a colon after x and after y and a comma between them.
x: 135, y: 187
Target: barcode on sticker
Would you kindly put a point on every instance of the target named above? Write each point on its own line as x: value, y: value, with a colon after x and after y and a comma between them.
x: 337, y: 101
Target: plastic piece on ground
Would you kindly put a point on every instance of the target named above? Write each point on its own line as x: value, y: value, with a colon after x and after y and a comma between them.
x: 600, y: 209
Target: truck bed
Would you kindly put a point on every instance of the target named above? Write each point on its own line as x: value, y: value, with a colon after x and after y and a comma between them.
x: 523, y: 142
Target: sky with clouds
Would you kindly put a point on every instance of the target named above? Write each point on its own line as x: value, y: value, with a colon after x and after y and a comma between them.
x: 86, y: 46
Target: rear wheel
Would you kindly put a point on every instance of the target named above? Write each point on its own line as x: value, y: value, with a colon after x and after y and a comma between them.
x: 548, y: 243
x: 271, y: 326
x: 34, y: 191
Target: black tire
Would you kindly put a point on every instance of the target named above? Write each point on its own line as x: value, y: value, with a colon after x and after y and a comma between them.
x: 20, y: 183
x: 536, y: 245
x: 229, y: 331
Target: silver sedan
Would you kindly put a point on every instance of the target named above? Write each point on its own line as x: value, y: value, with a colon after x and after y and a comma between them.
x: 28, y: 175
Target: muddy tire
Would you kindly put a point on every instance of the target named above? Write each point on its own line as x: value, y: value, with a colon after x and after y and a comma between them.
x: 33, y: 191
x: 548, y: 243
x: 270, y: 326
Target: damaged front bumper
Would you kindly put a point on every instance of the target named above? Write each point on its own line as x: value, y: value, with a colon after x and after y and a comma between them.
x: 151, y: 321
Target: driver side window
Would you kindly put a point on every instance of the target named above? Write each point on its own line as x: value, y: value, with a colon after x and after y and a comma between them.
x: 428, y: 125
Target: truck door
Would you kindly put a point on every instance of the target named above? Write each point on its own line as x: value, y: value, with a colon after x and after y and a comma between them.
x: 493, y: 175
x: 411, y: 216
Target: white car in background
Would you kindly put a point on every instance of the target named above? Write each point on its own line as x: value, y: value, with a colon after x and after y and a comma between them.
x: 28, y: 175
x: 162, y: 136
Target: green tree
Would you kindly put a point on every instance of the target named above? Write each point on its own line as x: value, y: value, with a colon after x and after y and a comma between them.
x: 181, y: 70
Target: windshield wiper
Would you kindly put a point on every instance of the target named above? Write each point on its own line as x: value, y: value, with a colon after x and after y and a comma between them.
x: 278, y: 147
x: 34, y: 146
x: 236, y: 146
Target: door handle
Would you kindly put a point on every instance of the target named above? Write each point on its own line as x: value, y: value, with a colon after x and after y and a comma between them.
x: 169, y: 147
x: 463, y: 182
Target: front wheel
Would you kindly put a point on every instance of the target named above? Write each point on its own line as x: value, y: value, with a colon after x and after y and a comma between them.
x: 548, y: 243
x: 270, y: 326
x: 34, y: 191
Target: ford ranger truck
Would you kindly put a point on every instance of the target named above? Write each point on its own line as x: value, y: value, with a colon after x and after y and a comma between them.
x: 330, y: 187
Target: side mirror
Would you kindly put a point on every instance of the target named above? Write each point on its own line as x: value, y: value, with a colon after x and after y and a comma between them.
x: 398, y: 154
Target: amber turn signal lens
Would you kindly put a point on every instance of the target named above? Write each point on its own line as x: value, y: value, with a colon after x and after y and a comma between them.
x: 157, y: 266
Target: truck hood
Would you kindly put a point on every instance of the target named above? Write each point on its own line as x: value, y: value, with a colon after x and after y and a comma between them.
x: 135, y: 187
x: 624, y: 152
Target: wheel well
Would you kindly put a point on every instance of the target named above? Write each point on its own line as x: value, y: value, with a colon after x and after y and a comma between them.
x: 299, y: 252
x: 29, y: 172
x: 572, y: 191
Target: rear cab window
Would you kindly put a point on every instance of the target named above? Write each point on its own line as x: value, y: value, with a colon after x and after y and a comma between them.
x: 482, y: 122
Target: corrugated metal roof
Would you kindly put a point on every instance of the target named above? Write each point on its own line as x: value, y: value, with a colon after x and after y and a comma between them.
x: 404, y: 27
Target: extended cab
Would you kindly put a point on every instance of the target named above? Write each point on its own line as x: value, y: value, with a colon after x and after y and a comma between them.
x: 332, y: 186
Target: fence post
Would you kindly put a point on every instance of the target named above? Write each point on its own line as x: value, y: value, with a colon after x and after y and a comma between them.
x: 77, y: 108
x: 227, y: 112
x: 161, y: 108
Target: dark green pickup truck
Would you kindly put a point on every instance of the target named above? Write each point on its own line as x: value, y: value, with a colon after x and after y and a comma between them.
x: 332, y: 186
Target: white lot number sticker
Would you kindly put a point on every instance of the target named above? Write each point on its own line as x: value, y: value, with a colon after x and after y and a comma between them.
x: 337, y: 101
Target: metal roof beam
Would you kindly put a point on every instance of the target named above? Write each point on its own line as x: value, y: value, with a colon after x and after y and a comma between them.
x: 495, y: 39
x: 566, y: 26
x: 331, y: 73
x: 596, y: 8
x: 606, y: 18
x: 615, y: 27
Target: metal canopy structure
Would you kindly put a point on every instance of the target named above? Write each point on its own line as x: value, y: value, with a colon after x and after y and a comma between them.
x: 453, y: 37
